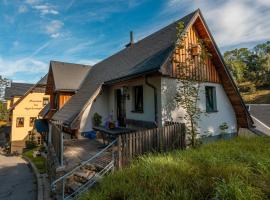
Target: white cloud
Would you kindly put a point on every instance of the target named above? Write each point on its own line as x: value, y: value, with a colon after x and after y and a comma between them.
x: 22, y: 9
x: 53, y: 28
x: 46, y: 9
x: 42, y: 8
x: 9, y: 67
x: 231, y: 22
x: 79, y: 47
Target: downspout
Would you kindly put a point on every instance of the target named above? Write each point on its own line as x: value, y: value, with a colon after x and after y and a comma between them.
x: 155, y: 98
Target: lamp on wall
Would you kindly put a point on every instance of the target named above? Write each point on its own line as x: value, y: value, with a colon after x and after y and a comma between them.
x: 126, y: 92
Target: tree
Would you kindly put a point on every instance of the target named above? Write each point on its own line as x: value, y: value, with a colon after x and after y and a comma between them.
x: 188, y: 89
x: 250, y: 65
x: 4, y: 82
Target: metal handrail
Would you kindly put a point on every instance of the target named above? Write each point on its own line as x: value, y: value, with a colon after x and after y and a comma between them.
x: 89, y: 182
x: 82, y: 164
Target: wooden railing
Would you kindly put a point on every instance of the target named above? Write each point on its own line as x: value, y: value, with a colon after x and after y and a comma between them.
x: 131, y: 145
x: 57, y: 142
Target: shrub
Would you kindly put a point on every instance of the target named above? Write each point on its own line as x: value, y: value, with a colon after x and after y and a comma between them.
x: 30, y: 144
x: 247, y: 87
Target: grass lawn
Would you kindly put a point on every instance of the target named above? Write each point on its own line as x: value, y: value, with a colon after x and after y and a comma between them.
x: 39, y: 161
x: 235, y: 169
x: 260, y: 97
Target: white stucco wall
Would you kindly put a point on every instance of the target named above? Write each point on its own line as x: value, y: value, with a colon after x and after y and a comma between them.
x: 105, y: 104
x: 210, y: 122
x: 98, y: 104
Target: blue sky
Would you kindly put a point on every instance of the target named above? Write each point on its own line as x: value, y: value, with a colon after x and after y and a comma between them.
x: 33, y: 32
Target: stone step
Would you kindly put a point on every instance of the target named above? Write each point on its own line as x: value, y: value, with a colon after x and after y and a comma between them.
x: 73, y: 185
x: 90, y: 167
x: 83, y: 176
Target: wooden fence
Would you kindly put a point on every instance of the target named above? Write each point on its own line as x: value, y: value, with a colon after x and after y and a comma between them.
x: 57, y: 142
x: 130, y: 145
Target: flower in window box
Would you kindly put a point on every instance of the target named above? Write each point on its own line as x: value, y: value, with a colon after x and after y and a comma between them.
x: 196, y: 50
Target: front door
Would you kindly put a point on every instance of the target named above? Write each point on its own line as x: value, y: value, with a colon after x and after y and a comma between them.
x: 120, y: 107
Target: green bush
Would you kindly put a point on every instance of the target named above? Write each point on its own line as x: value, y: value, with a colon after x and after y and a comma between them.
x: 234, y: 169
x: 30, y: 144
x: 247, y: 87
x: 39, y: 161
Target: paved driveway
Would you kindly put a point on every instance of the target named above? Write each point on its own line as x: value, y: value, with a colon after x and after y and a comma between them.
x: 17, y: 182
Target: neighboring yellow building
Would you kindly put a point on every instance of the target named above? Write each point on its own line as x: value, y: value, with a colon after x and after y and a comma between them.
x: 23, y: 112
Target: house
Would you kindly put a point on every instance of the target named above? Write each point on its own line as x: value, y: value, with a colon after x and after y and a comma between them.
x: 23, y: 112
x: 260, y: 115
x: 15, y: 91
x: 138, y: 84
x: 136, y: 88
x: 64, y: 80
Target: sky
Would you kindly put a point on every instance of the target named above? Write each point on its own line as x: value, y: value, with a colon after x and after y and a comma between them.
x: 33, y: 32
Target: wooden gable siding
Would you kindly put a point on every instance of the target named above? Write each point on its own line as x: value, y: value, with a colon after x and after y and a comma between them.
x: 63, y: 98
x: 203, y: 72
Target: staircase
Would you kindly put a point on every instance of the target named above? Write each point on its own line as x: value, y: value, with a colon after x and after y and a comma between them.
x: 84, y: 176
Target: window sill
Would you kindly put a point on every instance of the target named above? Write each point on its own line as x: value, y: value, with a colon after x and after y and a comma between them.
x: 137, y: 111
x: 212, y: 111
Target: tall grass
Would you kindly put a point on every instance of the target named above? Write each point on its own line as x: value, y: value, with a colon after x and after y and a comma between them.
x: 235, y: 169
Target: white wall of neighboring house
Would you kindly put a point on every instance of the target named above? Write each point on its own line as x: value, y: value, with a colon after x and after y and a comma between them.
x: 210, y: 122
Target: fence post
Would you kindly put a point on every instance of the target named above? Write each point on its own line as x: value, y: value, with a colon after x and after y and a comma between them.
x: 61, y: 147
x: 119, y: 149
x: 183, y: 136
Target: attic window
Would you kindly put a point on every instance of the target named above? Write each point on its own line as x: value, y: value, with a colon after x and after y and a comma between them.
x: 45, y: 101
x: 19, y: 122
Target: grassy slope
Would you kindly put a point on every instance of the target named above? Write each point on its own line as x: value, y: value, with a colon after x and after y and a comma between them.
x: 260, y: 97
x: 236, y: 169
x: 39, y: 161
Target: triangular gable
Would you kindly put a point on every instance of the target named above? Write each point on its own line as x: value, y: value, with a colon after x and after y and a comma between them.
x: 216, y: 70
x: 50, y: 81
x: 34, y: 88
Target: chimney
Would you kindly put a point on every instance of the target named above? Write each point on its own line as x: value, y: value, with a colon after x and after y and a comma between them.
x: 131, y: 40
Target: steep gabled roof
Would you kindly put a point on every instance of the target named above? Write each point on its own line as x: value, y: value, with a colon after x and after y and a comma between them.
x: 151, y: 54
x: 17, y: 89
x: 118, y: 65
x: 67, y: 76
x: 38, y: 87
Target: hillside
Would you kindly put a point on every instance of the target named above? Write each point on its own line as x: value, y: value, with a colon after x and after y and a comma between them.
x: 235, y: 169
x: 257, y: 97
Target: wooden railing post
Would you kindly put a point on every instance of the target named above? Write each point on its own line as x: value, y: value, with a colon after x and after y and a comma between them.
x: 183, y: 136
x: 119, y: 152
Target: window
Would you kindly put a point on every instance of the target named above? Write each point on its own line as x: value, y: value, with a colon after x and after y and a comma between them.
x: 45, y: 101
x: 32, y: 121
x: 39, y: 140
x: 138, y: 98
x: 210, y: 94
x: 20, y: 122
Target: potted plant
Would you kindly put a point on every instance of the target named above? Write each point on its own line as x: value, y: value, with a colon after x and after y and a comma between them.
x: 223, y: 127
x: 97, y: 119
